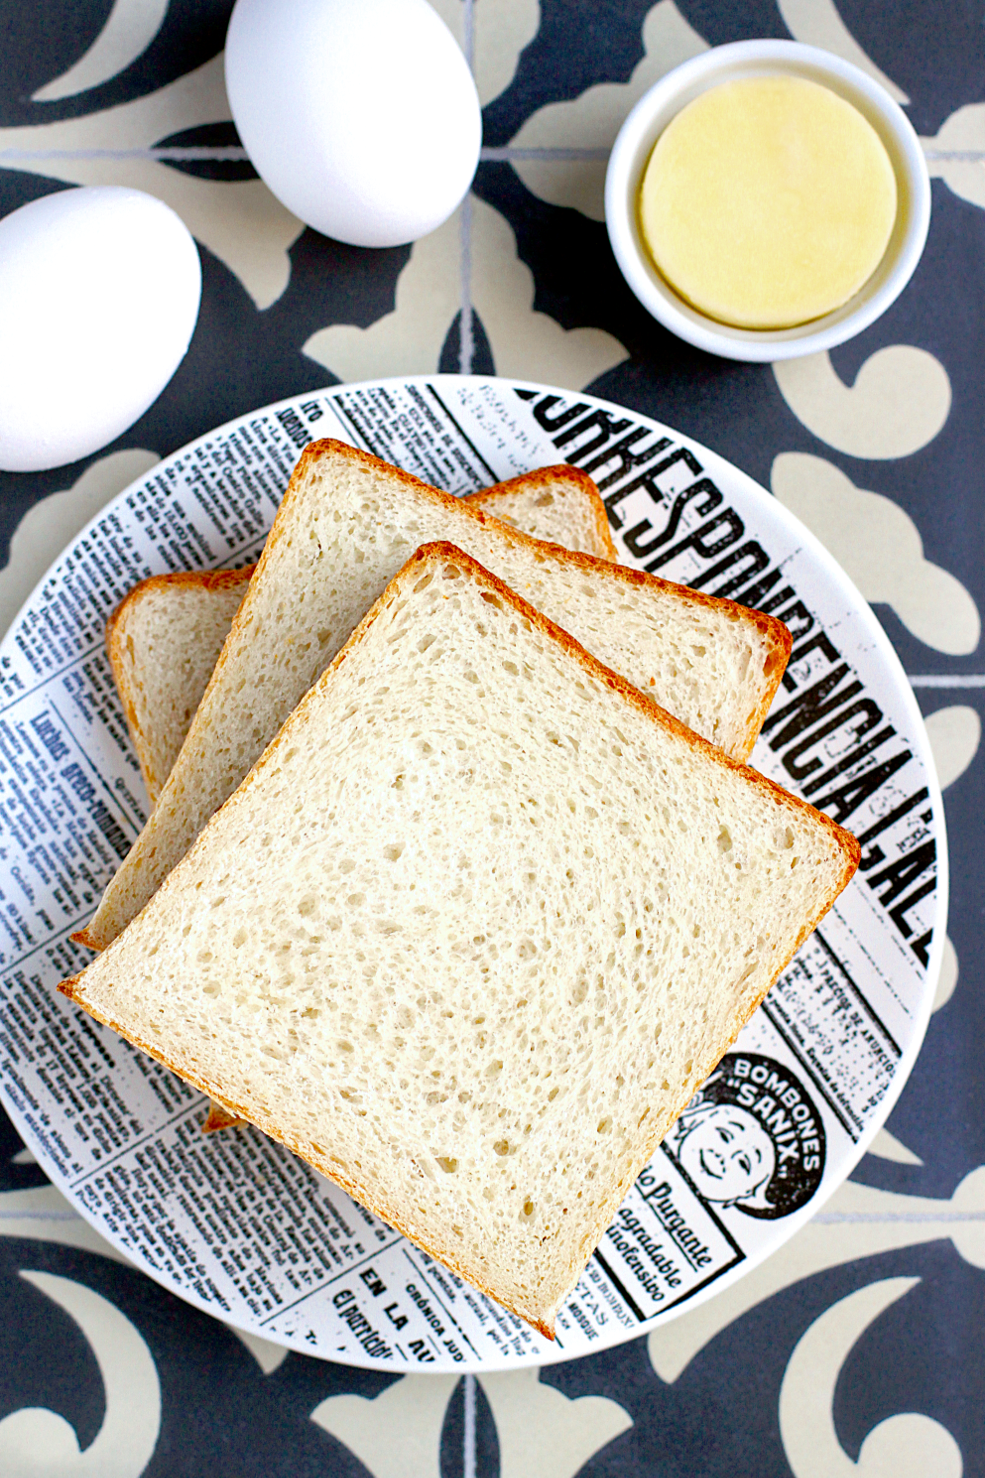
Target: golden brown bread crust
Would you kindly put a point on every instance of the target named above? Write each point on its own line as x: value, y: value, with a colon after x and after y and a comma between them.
x: 219, y: 1117
x: 446, y: 553
x: 116, y: 643
x: 208, y: 580
x: 216, y: 580
x: 321, y: 1162
x: 203, y: 579
x: 444, y: 549
x: 548, y: 475
x: 775, y: 633
x: 781, y: 643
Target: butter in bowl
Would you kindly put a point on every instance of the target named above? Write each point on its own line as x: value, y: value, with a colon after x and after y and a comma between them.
x: 767, y: 200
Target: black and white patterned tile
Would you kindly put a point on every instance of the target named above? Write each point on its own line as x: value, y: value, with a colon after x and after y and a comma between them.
x: 856, y: 1349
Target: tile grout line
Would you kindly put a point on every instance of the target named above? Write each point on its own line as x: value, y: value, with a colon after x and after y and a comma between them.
x: 468, y: 1427
x: 490, y: 153
x: 40, y: 1216
x: 959, y: 156
x: 466, y: 354
x: 896, y: 1218
x: 468, y: 33
x: 559, y: 153
x: 233, y: 151
x: 466, y: 335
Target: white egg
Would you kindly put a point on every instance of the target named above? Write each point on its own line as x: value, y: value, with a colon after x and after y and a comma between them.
x: 360, y: 115
x: 99, y: 294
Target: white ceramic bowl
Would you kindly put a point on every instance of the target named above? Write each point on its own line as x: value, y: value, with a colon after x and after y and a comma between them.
x: 761, y: 59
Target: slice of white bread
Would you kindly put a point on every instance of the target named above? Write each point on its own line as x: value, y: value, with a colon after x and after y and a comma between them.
x: 560, y: 505
x: 344, y: 528
x: 166, y: 635
x: 473, y: 930
x: 163, y: 641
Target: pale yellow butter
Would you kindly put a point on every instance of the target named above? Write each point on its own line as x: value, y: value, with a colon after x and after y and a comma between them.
x: 768, y: 202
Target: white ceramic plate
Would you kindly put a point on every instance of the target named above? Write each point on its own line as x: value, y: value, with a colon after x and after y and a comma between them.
x: 236, y: 1224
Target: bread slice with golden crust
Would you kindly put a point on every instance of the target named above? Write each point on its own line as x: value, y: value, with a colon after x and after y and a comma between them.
x: 560, y: 505
x: 163, y: 641
x: 165, y: 636
x: 473, y: 930
x: 345, y: 526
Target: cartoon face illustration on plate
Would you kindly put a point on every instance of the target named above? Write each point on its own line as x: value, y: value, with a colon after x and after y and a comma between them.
x: 727, y: 1153
x: 751, y: 1138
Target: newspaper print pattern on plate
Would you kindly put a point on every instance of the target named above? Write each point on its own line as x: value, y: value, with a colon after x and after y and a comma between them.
x: 241, y: 1227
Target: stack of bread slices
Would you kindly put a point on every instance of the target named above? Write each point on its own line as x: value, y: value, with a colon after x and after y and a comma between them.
x: 456, y: 881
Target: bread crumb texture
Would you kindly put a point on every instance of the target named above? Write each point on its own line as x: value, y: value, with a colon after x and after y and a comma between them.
x: 163, y: 643
x: 346, y: 526
x: 165, y: 637
x: 474, y: 929
x: 559, y: 504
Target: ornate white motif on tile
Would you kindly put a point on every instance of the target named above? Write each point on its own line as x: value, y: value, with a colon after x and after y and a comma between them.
x: 969, y: 1202
x: 48, y: 526
x: 268, y: 1356
x: 948, y: 977
x: 899, y: 401
x: 129, y: 29
x: 543, y: 1433
x: 963, y: 131
x: 955, y: 734
x: 592, y: 120
x: 44, y: 1215
x: 524, y: 342
x: 880, y: 548
x: 817, y: 23
x: 500, y: 31
x: 961, y: 134
x: 886, y: 1146
x: 238, y: 220
x: 38, y: 1443
x: 398, y: 1432
x: 859, y: 1221
x: 408, y: 340
x: 909, y: 1445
